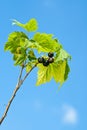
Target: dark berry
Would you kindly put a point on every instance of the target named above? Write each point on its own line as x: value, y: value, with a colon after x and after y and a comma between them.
x: 46, y: 63
x: 50, y: 54
x: 40, y: 59
x: 51, y: 59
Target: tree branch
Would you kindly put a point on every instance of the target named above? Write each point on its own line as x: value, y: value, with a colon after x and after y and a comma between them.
x: 20, y: 82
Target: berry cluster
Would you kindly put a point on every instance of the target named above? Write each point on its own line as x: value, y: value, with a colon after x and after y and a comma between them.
x: 47, y: 61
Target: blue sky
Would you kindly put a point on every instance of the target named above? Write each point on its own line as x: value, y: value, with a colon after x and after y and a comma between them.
x: 44, y: 108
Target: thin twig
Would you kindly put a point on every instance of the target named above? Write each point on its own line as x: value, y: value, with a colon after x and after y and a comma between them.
x: 29, y: 72
x: 13, y: 95
x: 20, y: 74
x: 20, y: 82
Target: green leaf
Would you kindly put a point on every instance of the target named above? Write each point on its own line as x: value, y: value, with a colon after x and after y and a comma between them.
x: 28, y: 67
x: 62, y: 55
x: 30, y: 26
x: 17, y: 45
x: 44, y: 74
x: 15, y: 40
x: 58, y: 71
x: 23, y: 48
x: 42, y: 37
x: 31, y: 55
x: 19, y: 60
x: 45, y: 43
x: 66, y: 71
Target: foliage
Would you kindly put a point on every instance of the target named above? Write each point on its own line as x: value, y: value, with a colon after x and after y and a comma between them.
x: 24, y: 48
x: 30, y: 26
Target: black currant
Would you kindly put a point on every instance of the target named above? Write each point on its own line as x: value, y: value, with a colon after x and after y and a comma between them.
x: 51, y: 59
x: 41, y: 59
x: 46, y: 63
x: 50, y: 54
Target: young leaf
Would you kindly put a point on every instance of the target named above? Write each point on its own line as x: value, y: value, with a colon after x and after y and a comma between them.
x: 45, y: 42
x: 28, y: 67
x: 67, y: 70
x: 62, y: 55
x: 30, y: 26
x: 22, y: 49
x: 19, y: 56
x: 44, y: 74
x: 19, y: 59
x: 31, y: 55
x: 58, y: 71
x: 42, y: 37
x: 15, y: 40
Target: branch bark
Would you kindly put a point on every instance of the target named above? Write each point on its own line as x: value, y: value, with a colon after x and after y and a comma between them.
x: 20, y: 82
